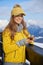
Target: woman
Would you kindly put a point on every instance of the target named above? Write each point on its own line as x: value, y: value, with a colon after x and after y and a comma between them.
x: 15, y: 36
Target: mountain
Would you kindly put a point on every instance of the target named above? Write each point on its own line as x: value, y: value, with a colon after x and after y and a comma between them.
x: 41, y: 32
x: 39, y: 40
x: 36, y: 31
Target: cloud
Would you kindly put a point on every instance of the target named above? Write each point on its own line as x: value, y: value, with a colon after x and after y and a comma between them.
x: 33, y: 6
x: 5, y: 12
x: 35, y: 22
x: 3, y: 24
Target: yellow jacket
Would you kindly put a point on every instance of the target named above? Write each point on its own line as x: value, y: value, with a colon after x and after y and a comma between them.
x: 13, y: 53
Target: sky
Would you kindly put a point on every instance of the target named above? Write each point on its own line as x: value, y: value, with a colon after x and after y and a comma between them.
x: 32, y: 8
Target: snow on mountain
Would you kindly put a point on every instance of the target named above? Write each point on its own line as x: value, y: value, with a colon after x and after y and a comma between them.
x: 36, y: 29
x: 38, y: 37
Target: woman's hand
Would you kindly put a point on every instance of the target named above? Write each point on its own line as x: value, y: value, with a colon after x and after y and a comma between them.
x: 30, y: 39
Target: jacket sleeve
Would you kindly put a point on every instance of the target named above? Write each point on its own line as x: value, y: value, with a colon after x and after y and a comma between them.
x: 8, y: 46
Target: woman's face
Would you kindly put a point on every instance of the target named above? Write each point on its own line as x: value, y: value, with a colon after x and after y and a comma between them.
x: 18, y: 19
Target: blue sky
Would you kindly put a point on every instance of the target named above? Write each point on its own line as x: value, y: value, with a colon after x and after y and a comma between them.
x: 32, y: 8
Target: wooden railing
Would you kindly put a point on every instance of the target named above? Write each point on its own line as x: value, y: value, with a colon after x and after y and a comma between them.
x: 34, y: 54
